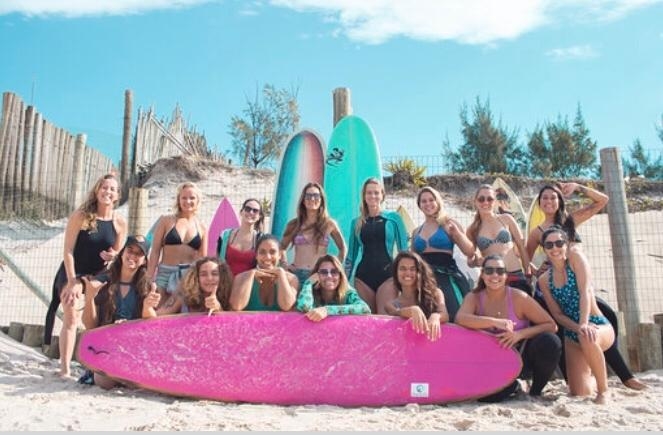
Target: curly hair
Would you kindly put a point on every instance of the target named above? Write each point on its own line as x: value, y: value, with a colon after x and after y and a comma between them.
x: 89, y: 207
x: 426, y: 283
x: 193, y: 298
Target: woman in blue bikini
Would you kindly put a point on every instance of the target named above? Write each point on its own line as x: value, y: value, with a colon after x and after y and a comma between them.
x: 587, y: 333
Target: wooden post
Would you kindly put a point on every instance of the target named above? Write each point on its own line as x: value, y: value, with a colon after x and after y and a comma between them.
x: 78, y: 189
x: 7, y: 104
x: 649, y: 351
x: 28, y: 153
x: 18, y: 162
x: 137, y: 218
x: 622, y: 248
x: 125, y: 164
x: 342, y: 104
x: 36, y: 159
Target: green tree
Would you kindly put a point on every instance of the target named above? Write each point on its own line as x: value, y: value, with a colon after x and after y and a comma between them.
x: 561, y: 151
x: 487, y: 147
x: 260, y: 134
x: 640, y: 163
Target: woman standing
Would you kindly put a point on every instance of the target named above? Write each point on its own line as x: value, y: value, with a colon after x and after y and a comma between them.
x: 327, y: 292
x: 93, y: 236
x: 434, y: 240
x: 310, y: 232
x: 587, y: 333
x: 418, y: 299
x: 517, y: 320
x: 376, y: 233
x: 267, y: 287
x: 237, y: 246
x: 179, y: 239
x: 552, y: 204
x: 499, y: 234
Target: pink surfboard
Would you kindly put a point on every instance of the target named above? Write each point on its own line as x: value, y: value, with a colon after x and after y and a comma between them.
x: 285, y: 359
x: 224, y: 217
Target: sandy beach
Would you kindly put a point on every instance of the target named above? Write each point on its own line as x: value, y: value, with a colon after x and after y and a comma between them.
x: 36, y: 399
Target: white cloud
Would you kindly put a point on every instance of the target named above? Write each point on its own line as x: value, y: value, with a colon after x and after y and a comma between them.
x: 78, y: 8
x: 465, y: 21
x: 573, y: 53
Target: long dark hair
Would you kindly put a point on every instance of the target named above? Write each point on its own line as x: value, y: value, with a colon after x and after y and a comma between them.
x: 321, y: 221
x: 260, y: 223
x: 426, y: 283
x: 190, y: 287
x: 481, y: 284
x: 562, y: 218
x: 140, y: 282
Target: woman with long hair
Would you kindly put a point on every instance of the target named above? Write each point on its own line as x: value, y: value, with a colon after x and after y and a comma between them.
x: 92, y: 238
x: 499, y: 234
x: 517, y: 321
x: 434, y: 240
x: 551, y: 201
x: 237, y: 246
x: 310, y: 232
x: 179, y: 239
x: 376, y: 233
x: 205, y: 288
x: 126, y: 294
x: 327, y: 292
x: 419, y: 299
x: 569, y: 297
x: 268, y: 286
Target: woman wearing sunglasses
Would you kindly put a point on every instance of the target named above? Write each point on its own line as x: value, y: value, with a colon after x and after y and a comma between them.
x: 499, y: 234
x: 419, y: 299
x: 327, y: 292
x: 570, y: 299
x: 310, y: 232
x: 236, y: 246
x: 552, y: 203
x: 517, y: 321
x: 268, y: 286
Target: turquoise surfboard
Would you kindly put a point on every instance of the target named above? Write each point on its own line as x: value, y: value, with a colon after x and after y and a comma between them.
x: 302, y: 162
x: 352, y: 157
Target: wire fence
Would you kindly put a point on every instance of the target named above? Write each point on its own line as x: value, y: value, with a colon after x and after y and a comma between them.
x: 32, y: 250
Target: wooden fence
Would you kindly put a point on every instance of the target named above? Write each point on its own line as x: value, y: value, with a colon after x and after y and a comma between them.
x: 45, y: 171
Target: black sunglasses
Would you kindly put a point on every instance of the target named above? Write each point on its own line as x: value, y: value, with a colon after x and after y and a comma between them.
x: 489, y: 270
x: 559, y: 243
x: 251, y: 209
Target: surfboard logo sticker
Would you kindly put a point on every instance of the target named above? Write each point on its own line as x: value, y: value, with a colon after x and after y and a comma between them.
x: 418, y: 389
x: 335, y: 156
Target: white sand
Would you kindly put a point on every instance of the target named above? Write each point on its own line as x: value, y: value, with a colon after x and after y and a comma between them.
x: 34, y: 398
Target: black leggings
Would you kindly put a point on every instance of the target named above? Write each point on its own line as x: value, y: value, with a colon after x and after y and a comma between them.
x: 612, y: 356
x: 58, y: 283
x: 540, y: 357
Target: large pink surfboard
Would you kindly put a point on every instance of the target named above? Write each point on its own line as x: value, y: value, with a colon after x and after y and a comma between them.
x: 224, y: 217
x: 285, y: 359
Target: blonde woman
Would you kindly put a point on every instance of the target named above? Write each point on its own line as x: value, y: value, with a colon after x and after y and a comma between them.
x: 92, y: 239
x: 376, y: 233
x: 179, y: 239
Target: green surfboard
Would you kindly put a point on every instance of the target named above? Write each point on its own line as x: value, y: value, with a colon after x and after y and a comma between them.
x: 352, y: 157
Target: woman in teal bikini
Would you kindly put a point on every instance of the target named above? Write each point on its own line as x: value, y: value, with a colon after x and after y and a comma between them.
x: 310, y: 232
x: 268, y: 286
x: 568, y: 295
x: 327, y: 292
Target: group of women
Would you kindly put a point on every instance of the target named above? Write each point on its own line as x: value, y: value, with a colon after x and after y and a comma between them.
x: 382, y: 270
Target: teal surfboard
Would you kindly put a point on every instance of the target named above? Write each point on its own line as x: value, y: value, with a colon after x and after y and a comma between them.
x: 352, y: 157
x: 302, y: 162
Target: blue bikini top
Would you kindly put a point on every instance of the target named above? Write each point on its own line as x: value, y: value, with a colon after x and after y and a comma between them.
x: 438, y: 240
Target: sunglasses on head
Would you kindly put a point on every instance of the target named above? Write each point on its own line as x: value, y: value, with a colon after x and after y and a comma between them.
x: 249, y: 209
x: 559, y: 243
x: 328, y: 272
x: 312, y: 196
x: 489, y: 270
x: 485, y: 198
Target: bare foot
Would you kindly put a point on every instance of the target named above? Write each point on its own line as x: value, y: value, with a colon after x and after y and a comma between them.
x: 600, y: 399
x: 635, y: 384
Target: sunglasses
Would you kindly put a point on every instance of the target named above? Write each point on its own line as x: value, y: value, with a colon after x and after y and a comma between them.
x: 485, y: 199
x: 312, y: 196
x: 489, y: 270
x: 248, y: 209
x: 328, y: 272
x: 559, y: 243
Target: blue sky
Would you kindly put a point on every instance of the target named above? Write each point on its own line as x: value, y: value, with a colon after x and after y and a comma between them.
x: 410, y: 65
